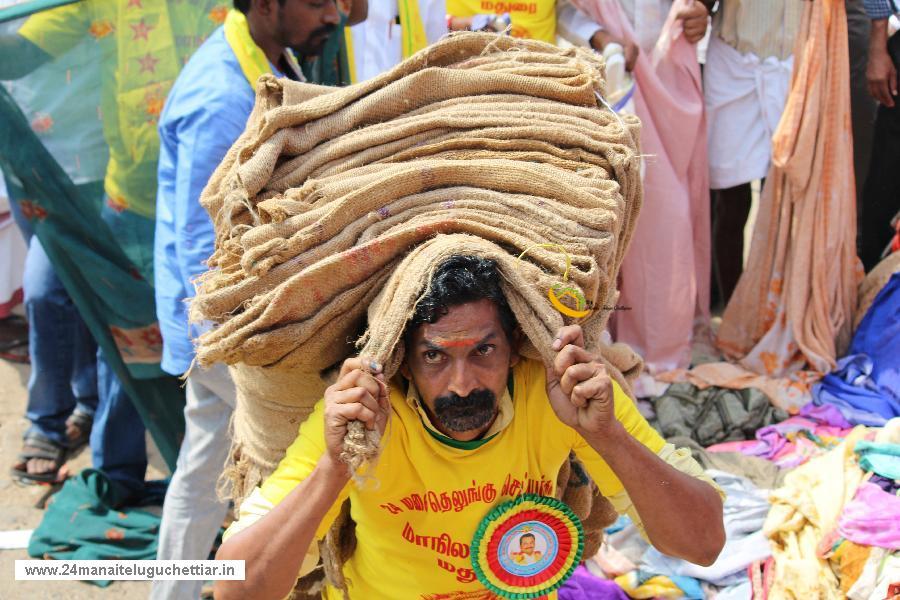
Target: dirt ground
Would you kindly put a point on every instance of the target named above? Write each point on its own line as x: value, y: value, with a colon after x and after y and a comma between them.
x: 18, y: 503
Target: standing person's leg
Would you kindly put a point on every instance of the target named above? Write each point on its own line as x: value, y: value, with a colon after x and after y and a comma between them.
x: 84, y: 349
x: 731, y: 207
x: 193, y: 513
x: 53, y: 321
x: 84, y: 385
x: 118, y: 446
x: 882, y: 190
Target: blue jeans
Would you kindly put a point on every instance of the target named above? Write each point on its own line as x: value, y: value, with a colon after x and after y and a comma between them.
x: 118, y: 442
x: 62, y: 351
x: 69, y: 371
x: 118, y: 445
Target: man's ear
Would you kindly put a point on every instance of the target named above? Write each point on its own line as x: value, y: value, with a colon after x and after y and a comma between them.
x: 515, y: 346
x: 263, y: 7
x: 404, y: 367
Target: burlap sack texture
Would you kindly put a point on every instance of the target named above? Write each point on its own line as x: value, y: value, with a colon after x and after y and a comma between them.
x: 335, y: 206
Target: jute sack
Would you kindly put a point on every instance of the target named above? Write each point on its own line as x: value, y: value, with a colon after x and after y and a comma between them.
x: 271, y: 406
x: 339, y: 262
x: 334, y: 208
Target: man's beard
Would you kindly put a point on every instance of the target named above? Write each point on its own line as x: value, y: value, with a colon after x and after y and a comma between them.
x: 465, y: 413
x: 315, y: 42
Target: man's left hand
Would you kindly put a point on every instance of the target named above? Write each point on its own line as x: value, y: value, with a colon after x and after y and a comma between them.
x: 579, y: 389
x: 695, y: 19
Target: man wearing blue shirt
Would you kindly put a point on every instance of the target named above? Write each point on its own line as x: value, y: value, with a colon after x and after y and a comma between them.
x: 204, y: 114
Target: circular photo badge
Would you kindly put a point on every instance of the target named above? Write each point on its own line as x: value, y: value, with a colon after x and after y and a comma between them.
x: 527, y: 547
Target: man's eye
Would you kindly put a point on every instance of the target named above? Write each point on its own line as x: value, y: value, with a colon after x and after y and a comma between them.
x: 485, y: 349
x: 432, y: 356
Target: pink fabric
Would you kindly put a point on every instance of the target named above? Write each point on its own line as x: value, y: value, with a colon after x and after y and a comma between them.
x: 788, y: 444
x: 738, y: 446
x: 872, y: 518
x: 665, y: 274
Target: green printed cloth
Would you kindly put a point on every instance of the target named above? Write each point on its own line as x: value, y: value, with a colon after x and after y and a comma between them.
x: 82, y: 522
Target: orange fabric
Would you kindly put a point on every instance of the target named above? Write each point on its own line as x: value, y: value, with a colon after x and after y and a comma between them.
x: 791, y: 314
x: 791, y: 392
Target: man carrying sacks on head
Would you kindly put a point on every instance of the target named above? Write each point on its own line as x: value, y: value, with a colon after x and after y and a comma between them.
x: 469, y: 426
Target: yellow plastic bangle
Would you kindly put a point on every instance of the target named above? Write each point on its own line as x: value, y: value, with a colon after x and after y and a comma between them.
x: 575, y: 314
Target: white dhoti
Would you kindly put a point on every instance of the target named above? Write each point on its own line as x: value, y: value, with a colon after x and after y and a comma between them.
x: 376, y: 42
x: 745, y: 97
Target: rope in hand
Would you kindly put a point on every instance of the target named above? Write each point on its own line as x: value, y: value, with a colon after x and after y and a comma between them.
x: 361, y: 444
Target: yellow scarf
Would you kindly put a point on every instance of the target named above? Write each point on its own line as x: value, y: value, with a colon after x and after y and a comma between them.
x: 412, y: 28
x: 252, y: 59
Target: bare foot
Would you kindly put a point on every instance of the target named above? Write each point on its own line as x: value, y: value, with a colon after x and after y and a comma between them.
x: 40, y: 466
x: 35, y: 466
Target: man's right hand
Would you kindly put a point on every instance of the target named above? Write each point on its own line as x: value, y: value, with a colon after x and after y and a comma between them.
x: 360, y: 394
x: 695, y: 19
x: 880, y: 72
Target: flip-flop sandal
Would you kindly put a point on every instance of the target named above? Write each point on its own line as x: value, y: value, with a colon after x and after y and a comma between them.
x: 84, y: 422
x: 38, y: 446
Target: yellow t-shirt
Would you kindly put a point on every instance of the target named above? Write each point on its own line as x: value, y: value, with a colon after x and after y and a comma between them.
x: 416, y: 518
x: 532, y: 19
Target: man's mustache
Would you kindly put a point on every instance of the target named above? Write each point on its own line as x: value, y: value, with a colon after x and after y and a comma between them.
x: 464, y: 413
x: 324, y: 30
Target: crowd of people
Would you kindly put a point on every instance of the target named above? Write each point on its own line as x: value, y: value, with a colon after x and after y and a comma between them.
x: 173, y: 85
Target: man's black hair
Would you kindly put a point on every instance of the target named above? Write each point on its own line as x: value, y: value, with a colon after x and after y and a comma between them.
x: 458, y: 280
x: 525, y: 535
x: 244, y: 5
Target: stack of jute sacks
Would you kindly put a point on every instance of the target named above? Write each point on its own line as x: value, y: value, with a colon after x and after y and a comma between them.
x: 334, y: 207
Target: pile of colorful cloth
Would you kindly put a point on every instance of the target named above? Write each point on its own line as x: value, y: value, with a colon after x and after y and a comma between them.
x: 825, y: 526
x: 813, y: 509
